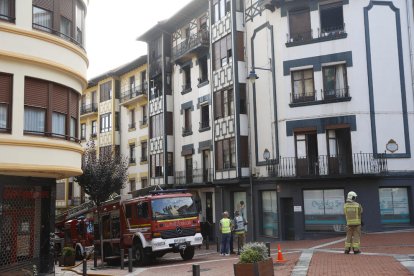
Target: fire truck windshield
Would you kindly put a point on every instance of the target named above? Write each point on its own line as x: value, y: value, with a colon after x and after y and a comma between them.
x: 173, y: 207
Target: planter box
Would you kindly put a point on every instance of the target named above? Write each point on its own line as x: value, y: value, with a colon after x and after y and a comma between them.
x: 67, y: 261
x: 264, y: 268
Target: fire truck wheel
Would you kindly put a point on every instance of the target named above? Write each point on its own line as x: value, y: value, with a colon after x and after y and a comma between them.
x: 140, y: 257
x: 188, y: 253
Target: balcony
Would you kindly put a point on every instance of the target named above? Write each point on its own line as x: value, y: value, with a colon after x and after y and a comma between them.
x: 89, y: 109
x: 324, y: 34
x: 194, y: 177
x: 326, y: 96
x: 137, y: 94
x: 324, y: 166
x: 335, y: 94
x: 196, y: 43
x: 303, y: 97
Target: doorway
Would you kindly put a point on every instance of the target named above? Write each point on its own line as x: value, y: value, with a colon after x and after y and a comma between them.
x: 209, y: 224
x: 287, y: 218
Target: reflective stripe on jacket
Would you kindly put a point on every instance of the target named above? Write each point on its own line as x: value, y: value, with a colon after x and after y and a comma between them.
x: 239, y: 222
x: 352, y: 212
x: 225, y: 225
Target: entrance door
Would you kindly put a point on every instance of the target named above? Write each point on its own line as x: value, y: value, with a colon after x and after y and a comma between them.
x: 287, y: 218
x: 209, y: 215
x: 307, y: 154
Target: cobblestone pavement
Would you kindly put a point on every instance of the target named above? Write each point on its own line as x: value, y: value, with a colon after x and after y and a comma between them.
x: 386, y: 253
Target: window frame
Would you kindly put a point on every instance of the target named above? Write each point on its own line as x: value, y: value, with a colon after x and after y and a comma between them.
x: 10, y: 16
x: 83, y: 131
x: 302, y: 94
x: 37, y: 25
x: 105, y: 122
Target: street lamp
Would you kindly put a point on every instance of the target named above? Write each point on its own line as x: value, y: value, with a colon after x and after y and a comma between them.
x: 253, y: 76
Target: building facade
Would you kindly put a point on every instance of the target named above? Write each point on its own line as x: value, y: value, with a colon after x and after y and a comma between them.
x: 304, y: 106
x: 42, y: 74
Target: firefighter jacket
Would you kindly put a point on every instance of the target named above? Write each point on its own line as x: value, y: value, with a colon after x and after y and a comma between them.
x: 225, y: 225
x: 353, y: 211
x: 239, y: 224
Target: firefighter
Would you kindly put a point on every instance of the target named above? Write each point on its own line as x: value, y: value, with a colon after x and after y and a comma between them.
x: 353, y: 211
x: 226, y: 226
x: 239, y: 230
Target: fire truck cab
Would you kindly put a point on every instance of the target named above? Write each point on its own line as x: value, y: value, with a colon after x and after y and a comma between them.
x: 153, y: 225
x: 79, y: 234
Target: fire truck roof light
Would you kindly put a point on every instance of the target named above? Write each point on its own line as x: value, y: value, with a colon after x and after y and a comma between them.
x: 168, y: 191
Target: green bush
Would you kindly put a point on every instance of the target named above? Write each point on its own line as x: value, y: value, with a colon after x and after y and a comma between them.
x: 68, y: 251
x: 253, y: 252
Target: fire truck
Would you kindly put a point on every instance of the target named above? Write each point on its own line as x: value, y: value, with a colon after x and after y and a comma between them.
x: 152, y: 225
x: 75, y: 227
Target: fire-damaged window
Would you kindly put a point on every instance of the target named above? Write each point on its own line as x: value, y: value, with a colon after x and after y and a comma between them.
x: 332, y: 18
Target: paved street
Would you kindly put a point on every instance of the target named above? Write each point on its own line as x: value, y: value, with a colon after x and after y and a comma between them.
x: 388, y: 253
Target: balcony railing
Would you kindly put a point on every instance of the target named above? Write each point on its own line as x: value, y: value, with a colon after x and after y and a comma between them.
x: 135, y: 91
x: 196, y: 176
x: 303, y: 97
x: 300, y: 37
x: 323, y: 34
x: 332, y: 31
x: 340, y: 93
x: 324, y: 166
x: 77, y: 41
x: 196, y: 40
x: 89, y: 108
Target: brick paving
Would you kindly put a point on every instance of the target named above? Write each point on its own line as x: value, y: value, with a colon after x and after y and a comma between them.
x: 382, y: 253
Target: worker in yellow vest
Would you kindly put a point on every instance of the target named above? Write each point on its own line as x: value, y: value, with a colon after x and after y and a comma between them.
x: 226, y: 227
x: 353, y: 211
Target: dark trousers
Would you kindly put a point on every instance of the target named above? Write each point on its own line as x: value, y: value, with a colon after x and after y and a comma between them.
x: 225, y: 243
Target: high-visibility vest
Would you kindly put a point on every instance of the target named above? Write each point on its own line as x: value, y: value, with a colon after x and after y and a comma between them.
x: 239, y: 222
x: 225, y: 225
x: 353, y: 212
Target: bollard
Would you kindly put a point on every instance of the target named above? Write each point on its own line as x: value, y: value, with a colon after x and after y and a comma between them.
x: 207, y: 243
x: 122, y: 258
x: 84, y: 268
x: 238, y: 244
x: 217, y: 243
x: 129, y: 259
x: 95, y: 259
x: 268, y: 248
x: 196, y: 270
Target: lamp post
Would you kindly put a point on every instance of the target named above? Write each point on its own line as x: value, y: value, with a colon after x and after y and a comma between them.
x: 252, y: 77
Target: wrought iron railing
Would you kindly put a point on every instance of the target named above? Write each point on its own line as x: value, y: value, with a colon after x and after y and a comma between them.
x: 324, y: 165
x: 77, y: 41
x: 332, y: 31
x: 303, y: 97
x: 89, y: 108
x: 198, y: 39
x: 340, y: 93
x: 196, y: 176
x: 135, y: 91
x: 300, y: 37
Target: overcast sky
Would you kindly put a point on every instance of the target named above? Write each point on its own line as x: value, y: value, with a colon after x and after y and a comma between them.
x: 113, y: 26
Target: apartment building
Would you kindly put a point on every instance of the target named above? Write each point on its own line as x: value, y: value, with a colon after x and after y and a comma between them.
x: 113, y: 115
x: 42, y: 74
x: 303, y: 106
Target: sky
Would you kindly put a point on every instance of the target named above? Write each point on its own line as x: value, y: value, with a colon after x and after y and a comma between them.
x: 112, y: 28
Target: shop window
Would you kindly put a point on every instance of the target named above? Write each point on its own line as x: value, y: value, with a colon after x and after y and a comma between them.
x: 324, y: 209
x: 269, y: 216
x: 394, y: 206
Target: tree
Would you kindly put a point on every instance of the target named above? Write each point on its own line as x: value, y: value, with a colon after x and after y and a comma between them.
x: 102, y: 176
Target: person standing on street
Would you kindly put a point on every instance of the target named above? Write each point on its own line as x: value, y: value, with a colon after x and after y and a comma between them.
x: 353, y: 211
x: 239, y: 230
x: 225, y: 229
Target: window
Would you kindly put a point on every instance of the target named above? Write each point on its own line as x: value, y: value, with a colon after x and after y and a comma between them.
x: 58, y: 124
x: 131, y: 119
x: 132, y: 83
x: 144, y: 150
x: 186, y: 79
x: 80, y: 17
x: 222, y: 52
x: 187, y: 129
x: 132, y: 153
x: 144, y: 182
x: 157, y: 125
x: 132, y: 185
x: 323, y: 209
x: 73, y: 128
x: 157, y: 161
x: 106, y: 122
x: 144, y: 115
x: 225, y: 154
x: 243, y: 101
x: 220, y: 9
x: 7, y: 10
x: 34, y: 119
x: 394, y: 206
x: 106, y: 91
x: 300, y: 25
x: 332, y: 19
x: 223, y: 103
x: 42, y: 19
x: 205, y: 118
x: 239, y: 204
x: 307, y: 159
x: 143, y: 80
x: 83, y: 131
x: 6, y: 82
x: 188, y: 169
x: 302, y: 86
x: 65, y: 27
x: 117, y: 124
x: 269, y: 225
x: 335, y: 81
x: 94, y: 130
x: 203, y: 70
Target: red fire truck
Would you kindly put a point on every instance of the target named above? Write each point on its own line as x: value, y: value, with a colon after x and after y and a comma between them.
x: 152, y: 225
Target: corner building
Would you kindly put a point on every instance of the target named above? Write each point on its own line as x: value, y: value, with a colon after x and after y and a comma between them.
x: 42, y: 74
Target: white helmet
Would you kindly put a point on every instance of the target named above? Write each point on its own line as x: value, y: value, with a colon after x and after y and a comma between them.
x: 351, y: 195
